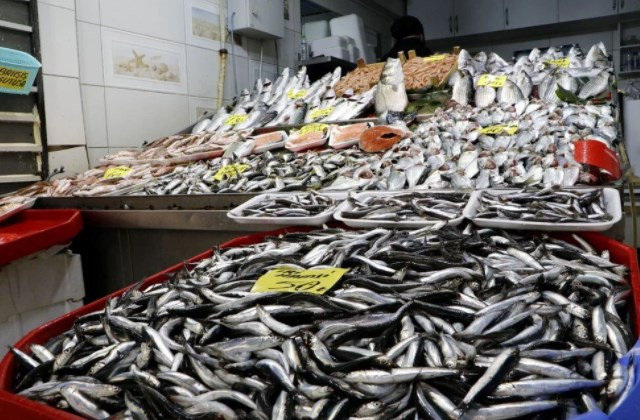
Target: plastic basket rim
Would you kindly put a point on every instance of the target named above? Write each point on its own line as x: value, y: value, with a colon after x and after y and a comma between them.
x: 13, y: 57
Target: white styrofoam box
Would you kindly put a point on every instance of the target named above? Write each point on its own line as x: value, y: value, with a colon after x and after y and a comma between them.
x: 74, y: 160
x: 632, y: 133
x: 67, y: 4
x: 316, y: 30
x: 59, y: 47
x: 337, y: 52
x: 95, y: 118
x: 352, y: 25
x: 63, y: 109
x: 198, y: 106
x: 203, y: 68
x: 40, y: 316
x: 293, y: 22
x: 257, y: 18
x: 34, y: 283
x: 335, y: 41
x: 134, y: 116
x: 96, y: 153
x: 88, y: 11
x: 90, y: 53
x: 156, y: 18
x: 242, y: 68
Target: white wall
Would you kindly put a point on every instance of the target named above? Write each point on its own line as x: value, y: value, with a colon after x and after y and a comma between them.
x: 87, y: 105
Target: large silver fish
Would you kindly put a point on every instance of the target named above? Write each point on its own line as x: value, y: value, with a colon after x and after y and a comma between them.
x: 595, y: 86
x: 463, y: 88
x: 391, y: 96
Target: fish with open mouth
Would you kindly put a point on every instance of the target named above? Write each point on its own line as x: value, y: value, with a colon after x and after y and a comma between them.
x: 391, y: 97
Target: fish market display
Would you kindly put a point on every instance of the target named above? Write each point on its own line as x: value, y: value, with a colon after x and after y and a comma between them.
x: 435, y: 324
x: 358, y: 80
x: 11, y: 203
x: 391, y: 96
x: 558, y: 76
x: 407, y: 207
x: 269, y: 141
x: 347, y: 135
x: 293, y: 205
x: 421, y: 72
x: 547, y: 205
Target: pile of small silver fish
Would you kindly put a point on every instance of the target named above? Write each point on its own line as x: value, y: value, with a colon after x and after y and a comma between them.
x: 290, y: 100
x: 547, y: 205
x: 406, y: 207
x: 291, y: 205
x: 586, y: 77
x: 456, y: 324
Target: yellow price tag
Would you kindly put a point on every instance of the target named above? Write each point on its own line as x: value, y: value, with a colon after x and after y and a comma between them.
x: 297, y: 94
x: 321, y: 113
x: 436, y: 57
x: 491, y: 80
x: 117, y: 172
x: 560, y: 62
x: 310, y: 128
x: 230, y: 171
x: 11, y: 78
x: 235, y: 119
x: 288, y: 279
x: 499, y: 129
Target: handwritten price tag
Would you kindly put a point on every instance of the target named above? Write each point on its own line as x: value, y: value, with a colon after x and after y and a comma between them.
x: 117, y: 172
x: 297, y: 94
x: 499, y: 129
x: 310, y: 128
x: 491, y: 80
x: 229, y: 171
x: 321, y: 113
x: 561, y: 62
x: 291, y: 280
x: 235, y: 119
x: 436, y: 57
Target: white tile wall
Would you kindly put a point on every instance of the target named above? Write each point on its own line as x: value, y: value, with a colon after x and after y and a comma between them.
x: 67, y: 4
x: 242, y: 68
x: 134, y: 116
x: 96, y: 153
x: 95, y: 115
x: 73, y: 159
x: 288, y: 48
x: 63, y: 110
x: 197, y: 105
x: 203, y: 68
x: 268, y: 71
x: 90, y: 54
x: 58, y: 40
x: 157, y: 18
x: 268, y: 50
x: 88, y: 11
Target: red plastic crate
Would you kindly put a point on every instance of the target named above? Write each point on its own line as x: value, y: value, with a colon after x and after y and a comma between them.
x: 34, y: 230
x: 16, y: 407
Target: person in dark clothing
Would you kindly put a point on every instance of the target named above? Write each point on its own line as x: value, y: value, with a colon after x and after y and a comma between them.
x: 409, y: 35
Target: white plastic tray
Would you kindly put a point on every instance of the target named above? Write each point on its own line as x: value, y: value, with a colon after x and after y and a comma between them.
x: 16, y: 210
x: 413, y: 224
x: 271, y: 146
x: 611, y: 201
x: 317, y: 220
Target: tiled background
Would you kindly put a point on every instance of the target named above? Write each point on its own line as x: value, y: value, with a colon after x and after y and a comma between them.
x: 88, y: 118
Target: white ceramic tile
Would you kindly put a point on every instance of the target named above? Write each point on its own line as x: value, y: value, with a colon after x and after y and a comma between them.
x: 63, y: 109
x: 241, y: 45
x: 586, y: 40
x: 242, y: 69
x: 90, y: 53
x: 157, y: 18
x: 203, y: 69
x: 294, y: 16
x: 96, y: 153
x: 134, y: 116
x: 67, y: 4
x: 58, y: 40
x: 203, y: 23
x: 288, y: 48
x: 268, y: 71
x: 268, y: 50
x: 88, y: 11
x: 95, y: 118
x: 74, y: 160
x: 199, y: 106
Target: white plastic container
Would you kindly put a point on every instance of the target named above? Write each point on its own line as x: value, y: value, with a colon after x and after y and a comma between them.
x: 612, y: 207
x: 316, y: 30
x: 270, y: 146
x: 412, y: 224
x: 337, y: 130
x: 352, y: 25
x: 310, y: 144
x: 317, y: 220
x: 18, y: 209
